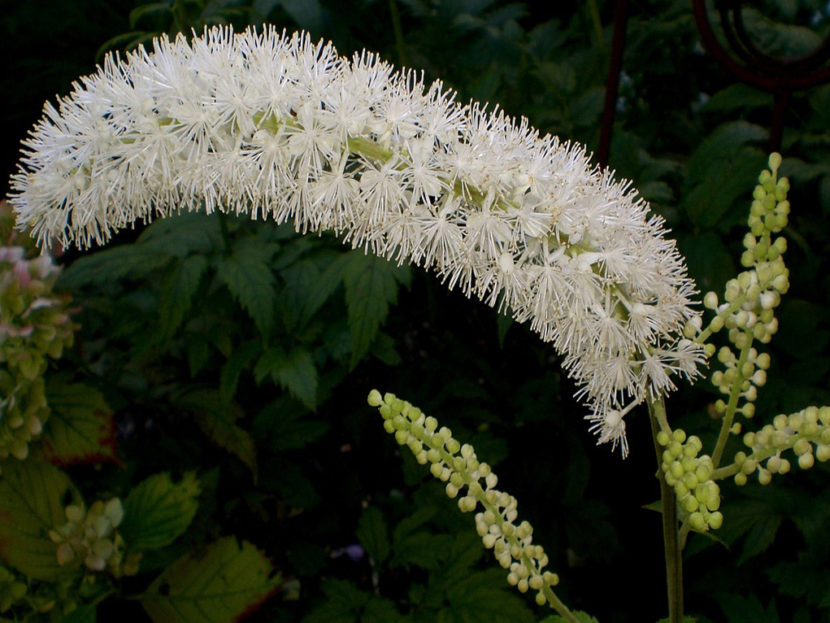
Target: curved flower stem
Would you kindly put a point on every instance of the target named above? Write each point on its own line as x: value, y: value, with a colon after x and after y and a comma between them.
x: 731, y: 406
x: 671, y: 543
x: 553, y: 600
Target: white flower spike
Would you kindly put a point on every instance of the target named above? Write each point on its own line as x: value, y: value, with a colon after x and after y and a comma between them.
x: 276, y: 126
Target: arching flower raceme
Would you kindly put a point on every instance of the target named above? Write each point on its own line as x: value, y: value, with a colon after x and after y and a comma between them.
x: 276, y: 126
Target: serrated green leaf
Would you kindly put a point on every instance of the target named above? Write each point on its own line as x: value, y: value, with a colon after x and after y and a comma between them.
x: 808, y: 578
x: 198, y: 353
x: 80, y: 427
x: 723, y: 171
x: 481, y: 596
x: 382, y: 610
x: 293, y: 371
x: 233, y: 367
x: 177, y: 291
x: 193, y: 233
x: 33, y: 496
x: 134, y: 261
x: 285, y: 423
x: 158, y: 511
x: 422, y: 549
x: 343, y: 604
x: 385, y: 349
x: 248, y: 276
x: 722, y: 145
x: 739, y: 608
x: 371, y: 287
x: 217, y: 419
x: 760, y: 536
x: 301, y: 299
x: 373, y: 534
x: 738, y: 96
x: 584, y: 617
x: 217, y: 584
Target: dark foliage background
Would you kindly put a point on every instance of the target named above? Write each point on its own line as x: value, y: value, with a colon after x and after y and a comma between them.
x: 303, y: 468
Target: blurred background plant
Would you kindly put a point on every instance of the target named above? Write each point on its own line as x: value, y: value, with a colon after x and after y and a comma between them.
x: 243, y: 352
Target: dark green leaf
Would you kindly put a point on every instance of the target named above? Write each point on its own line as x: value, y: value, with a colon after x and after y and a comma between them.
x: 80, y: 427
x: 233, y: 367
x: 177, y: 291
x: 738, y: 96
x: 343, y: 604
x: 247, y: 274
x: 217, y: 419
x: 216, y: 584
x: 33, y: 498
x: 127, y: 261
x: 294, y: 371
x: 158, y: 511
x: 285, y: 422
x: 739, y: 608
x: 371, y: 287
x: 373, y: 534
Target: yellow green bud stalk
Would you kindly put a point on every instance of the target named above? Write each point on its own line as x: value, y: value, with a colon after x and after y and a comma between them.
x: 496, y: 522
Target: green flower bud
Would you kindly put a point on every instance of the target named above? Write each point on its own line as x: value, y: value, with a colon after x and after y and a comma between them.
x: 697, y: 522
x: 375, y: 399
x: 806, y: 461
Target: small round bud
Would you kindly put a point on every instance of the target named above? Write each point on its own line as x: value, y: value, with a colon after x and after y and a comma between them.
x: 697, y: 522
x: 375, y: 399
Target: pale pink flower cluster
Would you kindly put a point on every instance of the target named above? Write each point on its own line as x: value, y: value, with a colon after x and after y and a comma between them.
x: 276, y: 126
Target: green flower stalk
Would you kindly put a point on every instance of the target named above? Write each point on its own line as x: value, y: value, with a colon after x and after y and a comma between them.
x: 275, y: 126
x: 473, y: 484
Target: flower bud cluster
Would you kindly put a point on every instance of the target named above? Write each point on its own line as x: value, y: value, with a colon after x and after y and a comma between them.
x: 749, y: 299
x: 34, y: 326
x: 749, y: 375
x: 91, y: 536
x: 11, y: 590
x: 457, y: 466
x: 806, y: 432
x: 698, y: 496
